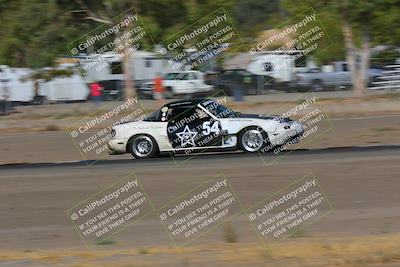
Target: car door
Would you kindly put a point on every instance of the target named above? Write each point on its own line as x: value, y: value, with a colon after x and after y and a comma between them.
x: 200, y: 84
x: 192, y: 83
x: 183, y: 84
x: 345, y: 78
x: 197, y: 86
x: 191, y: 127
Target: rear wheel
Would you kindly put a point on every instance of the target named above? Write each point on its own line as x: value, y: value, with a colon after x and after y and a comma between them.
x: 252, y: 140
x: 317, y: 85
x: 143, y: 146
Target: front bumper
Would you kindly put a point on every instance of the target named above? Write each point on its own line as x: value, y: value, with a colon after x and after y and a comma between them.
x: 294, y: 133
x: 117, y: 146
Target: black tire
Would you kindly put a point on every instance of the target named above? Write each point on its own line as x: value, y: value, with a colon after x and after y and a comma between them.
x: 140, y: 94
x: 188, y: 96
x: 169, y: 93
x: 138, y: 145
x: 222, y: 91
x: 317, y: 85
x: 371, y: 81
x: 259, y: 139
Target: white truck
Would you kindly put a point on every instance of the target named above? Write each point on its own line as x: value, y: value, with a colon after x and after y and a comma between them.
x: 335, y: 75
x: 183, y: 83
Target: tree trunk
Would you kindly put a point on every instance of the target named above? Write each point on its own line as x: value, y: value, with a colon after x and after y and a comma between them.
x: 362, y: 78
x: 351, y: 56
x: 358, y: 70
x: 364, y: 61
x: 129, y: 91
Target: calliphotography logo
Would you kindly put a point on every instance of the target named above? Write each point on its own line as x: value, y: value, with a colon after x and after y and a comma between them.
x: 290, y: 209
x: 91, y: 136
x: 289, y: 45
x: 111, y: 210
x: 199, y: 211
x: 296, y: 127
x: 107, y: 45
x: 202, y: 43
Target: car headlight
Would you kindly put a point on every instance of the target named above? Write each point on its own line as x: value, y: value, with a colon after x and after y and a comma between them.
x: 297, y: 126
x: 113, y: 133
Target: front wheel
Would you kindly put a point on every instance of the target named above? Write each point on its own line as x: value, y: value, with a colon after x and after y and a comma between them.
x: 143, y: 146
x: 169, y: 93
x: 252, y: 140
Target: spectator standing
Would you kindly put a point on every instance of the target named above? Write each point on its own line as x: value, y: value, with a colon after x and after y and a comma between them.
x: 158, y: 87
x: 95, y: 92
x: 247, y: 83
x: 237, y: 86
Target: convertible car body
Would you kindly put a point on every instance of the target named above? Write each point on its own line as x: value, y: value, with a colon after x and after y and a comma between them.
x: 199, y: 125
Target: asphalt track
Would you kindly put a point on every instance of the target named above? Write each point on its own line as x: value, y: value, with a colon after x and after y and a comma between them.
x: 179, y: 159
x: 362, y: 183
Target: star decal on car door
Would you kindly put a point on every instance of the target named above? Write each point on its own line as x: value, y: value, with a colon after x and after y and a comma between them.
x: 187, y: 137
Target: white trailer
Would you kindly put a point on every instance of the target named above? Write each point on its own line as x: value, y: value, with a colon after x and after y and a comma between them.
x: 71, y: 88
x: 18, y: 90
x: 21, y: 89
x: 106, y: 67
x: 279, y: 64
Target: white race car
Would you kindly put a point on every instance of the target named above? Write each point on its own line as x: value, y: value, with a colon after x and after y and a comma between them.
x: 200, y: 125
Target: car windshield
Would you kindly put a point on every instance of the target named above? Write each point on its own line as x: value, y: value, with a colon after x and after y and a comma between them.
x: 186, y: 76
x: 180, y: 76
x: 171, y: 76
x: 219, y: 110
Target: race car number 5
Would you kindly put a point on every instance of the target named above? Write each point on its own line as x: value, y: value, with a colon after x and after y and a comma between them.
x: 207, y: 129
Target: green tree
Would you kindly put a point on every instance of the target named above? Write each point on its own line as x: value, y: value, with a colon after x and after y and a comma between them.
x: 363, y: 25
x: 34, y: 32
x: 254, y: 16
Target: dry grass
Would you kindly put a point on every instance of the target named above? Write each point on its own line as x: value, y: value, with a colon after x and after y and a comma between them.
x: 317, y: 251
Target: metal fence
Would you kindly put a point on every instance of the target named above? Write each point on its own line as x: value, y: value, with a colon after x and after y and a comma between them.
x: 390, y: 79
